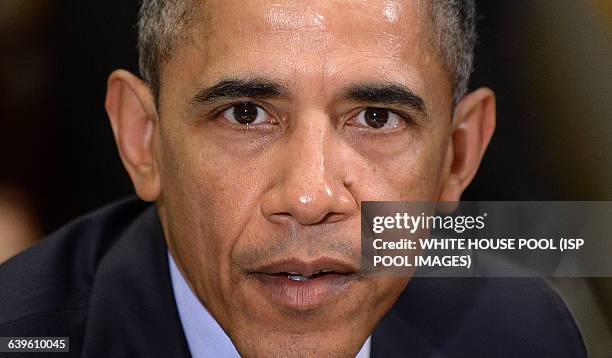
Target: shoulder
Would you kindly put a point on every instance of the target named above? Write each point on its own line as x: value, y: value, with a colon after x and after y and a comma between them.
x: 486, y: 317
x: 49, y: 284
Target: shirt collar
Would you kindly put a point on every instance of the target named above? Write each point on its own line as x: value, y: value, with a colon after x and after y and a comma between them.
x: 205, y: 337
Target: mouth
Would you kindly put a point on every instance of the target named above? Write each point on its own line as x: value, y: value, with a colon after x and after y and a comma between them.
x: 304, y: 285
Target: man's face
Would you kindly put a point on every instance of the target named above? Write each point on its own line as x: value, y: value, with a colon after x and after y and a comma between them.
x: 277, y: 118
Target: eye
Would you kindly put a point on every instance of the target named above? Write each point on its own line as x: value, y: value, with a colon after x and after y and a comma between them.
x: 378, y: 118
x: 246, y: 113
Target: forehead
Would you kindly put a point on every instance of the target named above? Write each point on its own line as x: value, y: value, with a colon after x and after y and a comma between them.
x: 384, y: 20
x: 298, y: 41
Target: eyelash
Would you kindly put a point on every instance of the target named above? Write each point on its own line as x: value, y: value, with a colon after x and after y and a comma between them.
x: 218, y: 111
x: 404, y: 117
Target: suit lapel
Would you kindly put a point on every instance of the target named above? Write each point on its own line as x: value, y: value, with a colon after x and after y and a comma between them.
x: 132, y: 311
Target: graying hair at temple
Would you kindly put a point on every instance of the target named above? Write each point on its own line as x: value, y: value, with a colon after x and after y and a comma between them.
x: 162, y: 23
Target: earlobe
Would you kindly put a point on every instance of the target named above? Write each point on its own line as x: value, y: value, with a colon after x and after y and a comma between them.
x: 473, y: 127
x: 131, y: 109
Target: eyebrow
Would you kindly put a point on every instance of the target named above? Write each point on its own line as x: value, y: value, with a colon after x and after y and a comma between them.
x: 233, y: 88
x: 369, y: 92
x: 386, y: 93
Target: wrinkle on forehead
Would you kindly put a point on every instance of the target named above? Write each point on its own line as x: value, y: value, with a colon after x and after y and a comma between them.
x: 321, y: 40
x: 279, y: 26
x: 382, y: 20
x: 283, y: 17
x: 291, y: 15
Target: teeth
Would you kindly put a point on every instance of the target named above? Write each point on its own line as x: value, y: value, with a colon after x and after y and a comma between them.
x: 297, y: 277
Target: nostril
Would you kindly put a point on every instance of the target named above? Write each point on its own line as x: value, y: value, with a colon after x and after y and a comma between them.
x: 285, y: 217
x: 332, y: 218
x: 280, y: 218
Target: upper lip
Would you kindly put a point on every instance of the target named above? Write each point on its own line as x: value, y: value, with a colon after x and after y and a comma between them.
x: 307, y: 267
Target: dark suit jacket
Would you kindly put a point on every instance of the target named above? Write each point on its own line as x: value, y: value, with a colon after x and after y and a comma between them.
x: 104, y: 282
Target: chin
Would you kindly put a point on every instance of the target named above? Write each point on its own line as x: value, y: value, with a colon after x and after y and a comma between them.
x: 340, y: 343
x: 303, y: 322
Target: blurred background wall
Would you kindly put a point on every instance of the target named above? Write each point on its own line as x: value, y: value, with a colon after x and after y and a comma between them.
x: 549, y: 62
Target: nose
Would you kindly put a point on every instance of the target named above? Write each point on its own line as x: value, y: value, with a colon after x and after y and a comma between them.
x: 312, y: 183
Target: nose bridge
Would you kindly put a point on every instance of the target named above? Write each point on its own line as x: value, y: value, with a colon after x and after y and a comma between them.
x: 309, y: 154
x: 311, y: 186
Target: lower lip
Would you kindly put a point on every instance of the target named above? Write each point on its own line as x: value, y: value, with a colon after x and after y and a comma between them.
x: 303, y: 295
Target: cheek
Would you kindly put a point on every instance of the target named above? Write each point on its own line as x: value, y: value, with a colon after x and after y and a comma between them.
x: 408, y: 170
x: 210, y: 197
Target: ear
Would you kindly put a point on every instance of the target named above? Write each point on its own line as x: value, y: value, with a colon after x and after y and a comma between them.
x: 473, y: 126
x: 133, y: 116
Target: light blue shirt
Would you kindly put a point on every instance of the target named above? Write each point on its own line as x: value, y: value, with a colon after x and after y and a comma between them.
x: 205, y: 337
